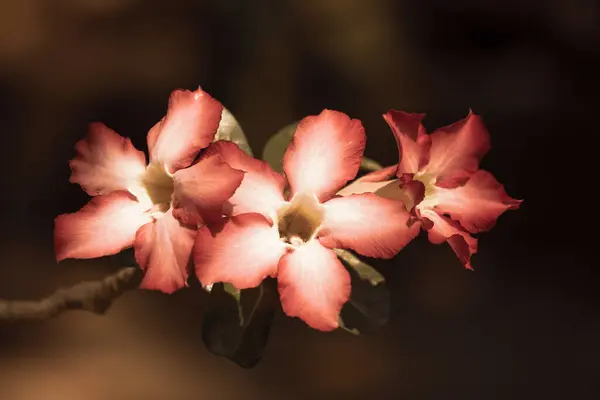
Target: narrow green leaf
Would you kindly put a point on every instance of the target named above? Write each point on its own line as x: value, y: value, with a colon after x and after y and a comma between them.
x: 364, y: 270
x: 370, y: 165
x: 238, y: 322
x: 277, y: 145
x: 230, y: 129
x: 368, y: 308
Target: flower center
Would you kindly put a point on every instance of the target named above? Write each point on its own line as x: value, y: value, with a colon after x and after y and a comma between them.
x: 299, y: 220
x: 156, y: 187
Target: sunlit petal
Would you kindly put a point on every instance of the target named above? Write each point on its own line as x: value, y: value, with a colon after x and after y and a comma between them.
x: 313, y: 285
x: 243, y: 251
x: 104, y: 226
x: 202, y: 189
x: 190, y: 124
x: 261, y: 191
x: 163, y: 250
x: 106, y: 161
x: 324, y: 154
x: 368, y: 224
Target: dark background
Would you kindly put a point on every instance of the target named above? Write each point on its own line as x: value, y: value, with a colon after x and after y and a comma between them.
x: 524, y: 325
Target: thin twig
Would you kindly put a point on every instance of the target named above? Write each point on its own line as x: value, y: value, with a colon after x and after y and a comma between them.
x: 95, y: 297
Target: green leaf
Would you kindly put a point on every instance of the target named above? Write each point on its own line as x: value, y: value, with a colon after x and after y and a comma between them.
x: 238, y: 322
x: 370, y: 165
x: 277, y: 145
x: 230, y: 129
x: 368, y: 308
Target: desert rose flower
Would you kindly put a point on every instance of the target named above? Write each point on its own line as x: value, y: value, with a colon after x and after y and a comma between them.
x: 439, y: 180
x: 147, y: 205
x: 291, y: 236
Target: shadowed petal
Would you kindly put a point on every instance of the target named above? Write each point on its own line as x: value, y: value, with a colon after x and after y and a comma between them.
x: 476, y: 205
x: 411, y: 138
x: 105, y: 161
x: 442, y: 229
x: 104, y: 226
x: 368, y: 224
x: 313, y: 285
x: 202, y: 189
x: 324, y: 154
x: 244, y: 251
x: 163, y: 249
x: 261, y: 191
x: 190, y: 124
x: 370, y: 182
x: 456, y: 151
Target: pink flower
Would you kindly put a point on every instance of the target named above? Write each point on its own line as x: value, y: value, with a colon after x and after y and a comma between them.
x: 291, y: 237
x: 439, y: 180
x: 148, y: 206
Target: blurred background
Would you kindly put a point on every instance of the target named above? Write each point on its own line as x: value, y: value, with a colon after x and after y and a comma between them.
x: 524, y: 325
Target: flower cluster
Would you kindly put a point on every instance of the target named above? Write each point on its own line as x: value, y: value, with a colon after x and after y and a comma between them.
x: 206, y: 203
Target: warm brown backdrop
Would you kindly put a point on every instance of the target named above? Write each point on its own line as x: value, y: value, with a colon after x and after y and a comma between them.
x: 524, y: 325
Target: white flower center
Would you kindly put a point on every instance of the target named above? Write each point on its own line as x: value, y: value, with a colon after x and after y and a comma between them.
x: 155, y: 188
x: 298, y: 221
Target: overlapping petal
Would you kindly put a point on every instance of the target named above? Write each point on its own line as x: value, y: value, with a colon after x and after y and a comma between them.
x: 443, y: 229
x: 201, y: 190
x: 190, y: 124
x: 163, y: 250
x: 476, y: 205
x: 324, y: 154
x: 368, y: 224
x: 242, y: 251
x: 313, y: 285
x: 105, y: 161
x: 104, y: 226
x: 261, y: 191
x: 456, y: 151
x: 411, y: 138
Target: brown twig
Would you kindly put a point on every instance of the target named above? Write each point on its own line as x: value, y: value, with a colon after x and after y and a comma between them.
x: 95, y: 297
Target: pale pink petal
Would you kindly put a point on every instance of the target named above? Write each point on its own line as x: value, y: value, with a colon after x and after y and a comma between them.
x: 190, y: 125
x: 202, y: 190
x: 476, y: 205
x: 443, y: 229
x: 411, y: 138
x: 106, y: 161
x: 104, y: 226
x: 456, y: 151
x: 163, y: 249
x: 324, y: 154
x: 243, y: 251
x: 261, y: 190
x: 313, y: 285
x: 368, y: 224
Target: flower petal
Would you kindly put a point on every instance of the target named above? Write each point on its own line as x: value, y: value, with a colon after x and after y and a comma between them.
x: 476, y: 205
x: 443, y: 229
x: 324, y: 154
x: 368, y: 224
x: 163, y: 250
x: 261, y: 190
x: 244, y: 250
x: 456, y: 151
x: 411, y: 138
x: 202, y: 190
x: 190, y: 124
x: 105, y: 161
x: 104, y: 226
x: 313, y: 285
